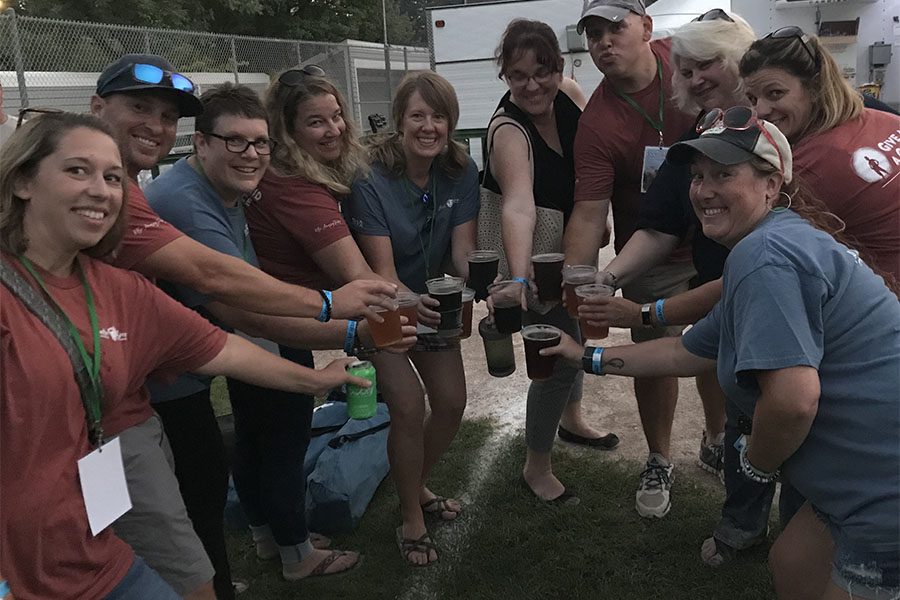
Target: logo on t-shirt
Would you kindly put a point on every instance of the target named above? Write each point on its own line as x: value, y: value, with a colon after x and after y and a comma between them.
x: 451, y: 202
x: 112, y: 333
x: 325, y: 226
x: 871, y: 165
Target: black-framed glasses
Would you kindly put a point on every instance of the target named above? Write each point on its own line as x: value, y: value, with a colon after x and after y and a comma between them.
x: 145, y: 73
x: 540, y: 77
x: 296, y: 76
x: 25, y: 112
x: 716, y: 14
x: 794, y: 32
x: 239, y: 145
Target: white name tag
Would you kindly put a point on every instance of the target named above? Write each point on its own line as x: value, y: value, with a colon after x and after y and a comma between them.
x: 103, y: 485
x: 653, y: 159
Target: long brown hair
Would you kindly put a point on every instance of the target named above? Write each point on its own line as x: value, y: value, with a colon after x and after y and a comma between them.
x: 522, y: 35
x: 21, y: 158
x: 441, y: 97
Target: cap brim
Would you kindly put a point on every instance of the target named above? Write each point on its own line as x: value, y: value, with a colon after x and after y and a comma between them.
x: 188, y: 104
x: 610, y: 13
x: 717, y: 149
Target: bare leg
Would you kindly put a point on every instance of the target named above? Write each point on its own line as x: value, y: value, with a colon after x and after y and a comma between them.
x: 800, y: 559
x: 713, y: 404
x: 204, y: 592
x: 538, y: 474
x: 656, y: 398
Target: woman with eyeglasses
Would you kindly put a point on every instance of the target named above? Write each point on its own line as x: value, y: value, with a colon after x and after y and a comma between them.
x: 413, y: 213
x: 62, y: 193
x: 806, y: 345
x: 530, y: 161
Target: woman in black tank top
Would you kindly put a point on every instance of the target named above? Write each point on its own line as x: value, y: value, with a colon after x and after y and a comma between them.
x: 533, y: 131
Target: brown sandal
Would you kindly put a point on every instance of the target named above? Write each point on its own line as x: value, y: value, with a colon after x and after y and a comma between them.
x: 439, y: 505
x: 423, y: 545
x: 321, y: 569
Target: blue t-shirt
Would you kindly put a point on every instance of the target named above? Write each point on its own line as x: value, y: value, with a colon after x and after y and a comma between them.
x: 384, y: 205
x: 185, y: 198
x: 793, y: 296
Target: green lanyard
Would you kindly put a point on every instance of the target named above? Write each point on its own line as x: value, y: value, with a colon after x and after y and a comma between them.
x: 432, y: 192
x: 94, y: 397
x: 657, y: 125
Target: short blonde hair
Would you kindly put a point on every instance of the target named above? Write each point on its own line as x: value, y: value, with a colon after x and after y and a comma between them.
x: 703, y: 41
x: 289, y: 158
x: 21, y: 158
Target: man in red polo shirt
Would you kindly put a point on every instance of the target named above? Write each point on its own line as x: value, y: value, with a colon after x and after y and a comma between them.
x: 621, y: 141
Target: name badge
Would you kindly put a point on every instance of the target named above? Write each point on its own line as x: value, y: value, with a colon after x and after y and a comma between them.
x: 654, y: 156
x: 103, y: 485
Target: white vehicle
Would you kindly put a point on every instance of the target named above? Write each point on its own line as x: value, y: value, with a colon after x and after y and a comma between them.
x: 463, y: 39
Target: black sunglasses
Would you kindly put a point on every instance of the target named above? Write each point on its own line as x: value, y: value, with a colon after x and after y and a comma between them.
x: 794, y: 32
x: 25, y: 112
x: 716, y: 14
x: 296, y: 76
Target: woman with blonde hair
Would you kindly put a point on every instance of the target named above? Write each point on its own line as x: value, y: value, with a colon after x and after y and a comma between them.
x: 415, y: 210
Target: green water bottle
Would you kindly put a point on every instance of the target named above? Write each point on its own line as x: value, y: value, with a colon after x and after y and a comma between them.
x: 362, y: 402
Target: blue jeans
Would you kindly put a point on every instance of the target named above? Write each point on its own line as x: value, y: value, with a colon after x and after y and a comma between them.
x: 271, y: 431
x: 142, y: 583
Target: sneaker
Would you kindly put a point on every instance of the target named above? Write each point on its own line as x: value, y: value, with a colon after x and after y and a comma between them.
x: 712, y: 456
x: 652, y: 497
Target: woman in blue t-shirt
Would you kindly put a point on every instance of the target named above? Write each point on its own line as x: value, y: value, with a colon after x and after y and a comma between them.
x: 413, y: 213
x: 806, y: 344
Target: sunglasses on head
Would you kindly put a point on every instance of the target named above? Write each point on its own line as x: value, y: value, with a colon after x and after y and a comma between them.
x: 296, y: 76
x: 794, y: 32
x: 716, y: 14
x: 27, y: 113
x: 737, y: 118
x: 144, y: 73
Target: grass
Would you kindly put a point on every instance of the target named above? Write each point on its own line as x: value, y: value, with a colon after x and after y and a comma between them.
x: 507, y: 544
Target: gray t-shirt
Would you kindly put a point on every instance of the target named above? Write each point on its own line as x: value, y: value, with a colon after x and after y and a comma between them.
x: 793, y: 296
x: 384, y: 205
x: 185, y: 198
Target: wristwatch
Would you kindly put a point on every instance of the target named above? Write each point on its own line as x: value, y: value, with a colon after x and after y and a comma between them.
x: 646, y: 311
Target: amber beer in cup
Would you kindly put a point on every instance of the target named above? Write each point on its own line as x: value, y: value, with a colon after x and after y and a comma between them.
x: 409, y: 307
x: 388, y: 332
x: 483, y: 266
x: 573, y: 276
x: 592, y: 332
x: 537, y: 337
x: 548, y: 276
x: 468, y: 299
x: 448, y: 292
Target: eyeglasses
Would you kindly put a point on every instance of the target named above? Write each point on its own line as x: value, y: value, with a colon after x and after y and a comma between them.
x: 521, y: 79
x: 794, y: 32
x: 716, y: 14
x: 144, y: 73
x: 239, y: 145
x: 296, y: 76
x: 738, y: 118
x: 24, y: 112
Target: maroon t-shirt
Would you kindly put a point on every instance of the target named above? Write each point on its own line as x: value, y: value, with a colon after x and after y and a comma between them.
x: 291, y: 219
x: 145, y: 232
x: 854, y: 169
x: 609, y: 145
x: 47, y: 548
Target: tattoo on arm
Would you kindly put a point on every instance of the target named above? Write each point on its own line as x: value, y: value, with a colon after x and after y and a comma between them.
x: 615, y: 363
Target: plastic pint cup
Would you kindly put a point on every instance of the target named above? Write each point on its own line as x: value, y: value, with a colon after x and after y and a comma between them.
x: 498, y: 349
x: 483, y: 265
x: 537, y: 337
x: 448, y: 292
x: 592, y: 332
x: 468, y: 299
x: 573, y: 276
x: 548, y: 276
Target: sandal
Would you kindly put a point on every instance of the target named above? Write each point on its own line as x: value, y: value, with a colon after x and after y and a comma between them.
x: 321, y: 569
x: 438, y: 506
x: 423, y: 545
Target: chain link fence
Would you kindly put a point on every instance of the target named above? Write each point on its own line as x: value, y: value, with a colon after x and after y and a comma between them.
x: 52, y: 63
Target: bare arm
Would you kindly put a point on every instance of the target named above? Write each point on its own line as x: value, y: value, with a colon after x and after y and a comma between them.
x: 683, y: 309
x: 645, y: 249
x: 785, y: 410
x: 573, y: 91
x: 462, y: 241
x: 585, y: 232
x: 235, y: 282
x: 343, y: 261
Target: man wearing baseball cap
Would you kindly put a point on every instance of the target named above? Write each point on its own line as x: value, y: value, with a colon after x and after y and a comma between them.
x: 620, y: 143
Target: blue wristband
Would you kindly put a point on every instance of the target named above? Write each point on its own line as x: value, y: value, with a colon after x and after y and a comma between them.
x: 596, y: 358
x: 325, y: 314
x: 660, y: 318
x: 522, y: 280
x: 351, y: 337
x: 4, y: 588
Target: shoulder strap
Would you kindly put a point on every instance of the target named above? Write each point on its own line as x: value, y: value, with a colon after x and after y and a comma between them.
x: 490, y: 141
x: 49, y: 317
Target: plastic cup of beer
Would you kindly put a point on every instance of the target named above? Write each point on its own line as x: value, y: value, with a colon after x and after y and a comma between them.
x: 483, y: 265
x: 498, y: 349
x: 507, y: 298
x: 468, y: 300
x: 592, y: 332
x: 573, y: 276
x: 548, y: 275
x: 388, y: 332
x: 448, y: 292
x: 537, y: 337
x: 409, y: 307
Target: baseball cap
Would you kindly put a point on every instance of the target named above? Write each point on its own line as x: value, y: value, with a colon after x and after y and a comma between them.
x: 141, y: 72
x: 729, y: 146
x: 611, y: 10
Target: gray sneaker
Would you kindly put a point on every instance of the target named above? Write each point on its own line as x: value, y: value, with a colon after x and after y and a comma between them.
x: 652, y: 497
x: 712, y: 456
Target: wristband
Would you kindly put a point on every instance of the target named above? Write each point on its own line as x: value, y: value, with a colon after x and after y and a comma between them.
x: 350, y: 340
x: 591, y: 360
x: 660, y: 317
x: 325, y: 314
x: 754, y: 474
x: 523, y: 281
x: 4, y: 588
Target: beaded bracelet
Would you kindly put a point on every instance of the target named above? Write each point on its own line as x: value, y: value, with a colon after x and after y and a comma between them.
x: 325, y: 314
x: 754, y: 474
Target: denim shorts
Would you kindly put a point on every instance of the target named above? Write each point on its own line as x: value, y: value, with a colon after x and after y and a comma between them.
x: 142, y: 583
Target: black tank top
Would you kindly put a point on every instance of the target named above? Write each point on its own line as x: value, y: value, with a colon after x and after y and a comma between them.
x: 554, y: 175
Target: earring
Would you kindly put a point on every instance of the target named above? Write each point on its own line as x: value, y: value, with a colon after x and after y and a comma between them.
x: 779, y: 209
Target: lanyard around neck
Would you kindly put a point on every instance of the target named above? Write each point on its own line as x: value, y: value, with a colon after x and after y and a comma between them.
x: 91, y: 399
x: 657, y: 124
x: 431, y: 193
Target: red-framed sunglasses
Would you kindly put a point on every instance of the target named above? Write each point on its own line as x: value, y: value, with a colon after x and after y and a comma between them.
x: 738, y: 118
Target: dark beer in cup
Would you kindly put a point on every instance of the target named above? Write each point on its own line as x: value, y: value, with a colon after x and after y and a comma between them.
x: 548, y: 276
x: 448, y: 292
x: 537, y: 337
x: 573, y: 276
x: 468, y: 299
x: 506, y: 296
x: 482, y: 271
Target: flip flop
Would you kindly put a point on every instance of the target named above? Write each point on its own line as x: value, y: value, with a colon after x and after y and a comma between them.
x: 604, y: 442
x: 423, y: 545
x: 439, y: 505
x: 321, y: 569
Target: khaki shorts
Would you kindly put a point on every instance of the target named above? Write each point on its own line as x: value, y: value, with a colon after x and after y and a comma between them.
x: 157, y: 526
x: 663, y: 281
